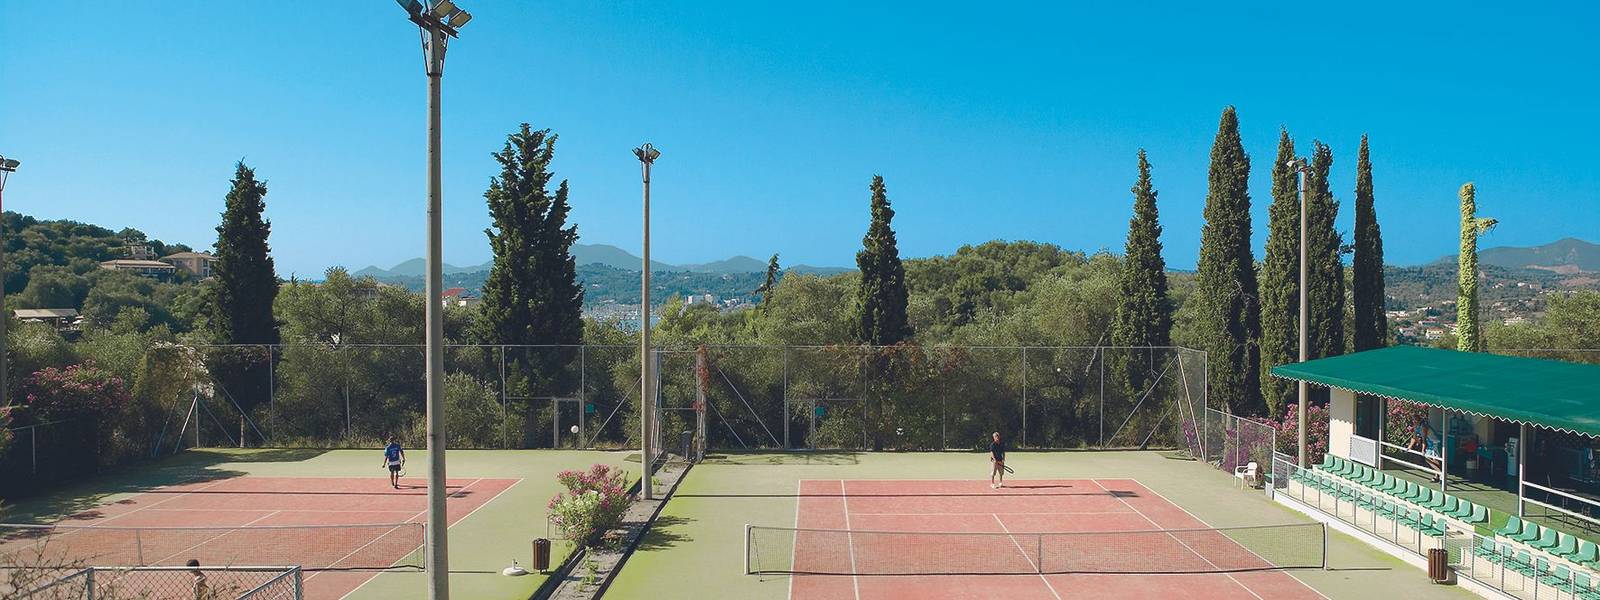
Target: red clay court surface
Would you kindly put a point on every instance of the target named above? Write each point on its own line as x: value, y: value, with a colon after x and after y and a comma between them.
x: 1020, y: 507
x: 276, y: 501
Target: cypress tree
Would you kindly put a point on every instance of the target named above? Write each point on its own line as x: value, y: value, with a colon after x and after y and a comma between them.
x: 243, y: 292
x: 1370, y: 324
x: 1468, y: 338
x: 1280, y: 280
x: 1230, y: 319
x: 531, y: 295
x: 1324, y: 245
x: 771, y: 284
x: 881, y: 298
x: 1144, y: 313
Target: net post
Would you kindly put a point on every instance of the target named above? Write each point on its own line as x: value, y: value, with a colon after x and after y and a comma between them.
x: 1325, y: 546
x: 138, y: 544
x: 746, y: 548
x: 299, y: 583
x: 1038, y: 555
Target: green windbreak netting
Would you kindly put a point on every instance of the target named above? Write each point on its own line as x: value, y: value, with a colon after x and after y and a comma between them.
x: 1553, y: 394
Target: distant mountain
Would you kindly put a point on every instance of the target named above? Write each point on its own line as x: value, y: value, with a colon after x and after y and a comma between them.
x: 607, y: 255
x: 1567, y: 256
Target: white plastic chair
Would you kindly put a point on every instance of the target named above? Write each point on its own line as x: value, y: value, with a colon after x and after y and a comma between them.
x: 1248, y: 474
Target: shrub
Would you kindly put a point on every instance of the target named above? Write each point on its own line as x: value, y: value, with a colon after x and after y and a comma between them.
x: 594, y: 503
x: 1288, y: 431
x: 88, y: 399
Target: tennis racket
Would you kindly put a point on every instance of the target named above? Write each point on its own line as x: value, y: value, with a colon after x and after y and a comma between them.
x: 1008, y: 469
x: 402, y: 468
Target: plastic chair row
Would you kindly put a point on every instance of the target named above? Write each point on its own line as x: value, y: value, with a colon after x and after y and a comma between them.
x: 1555, y: 543
x: 1426, y: 497
x: 1559, y: 575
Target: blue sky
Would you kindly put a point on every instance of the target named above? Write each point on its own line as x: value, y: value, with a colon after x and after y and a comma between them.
x: 1012, y: 123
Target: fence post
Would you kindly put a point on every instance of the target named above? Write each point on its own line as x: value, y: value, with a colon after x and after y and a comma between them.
x: 1024, y: 396
x: 505, y: 436
x: 785, y: 394
x: 1100, y: 352
x: 583, y: 396
x: 88, y: 577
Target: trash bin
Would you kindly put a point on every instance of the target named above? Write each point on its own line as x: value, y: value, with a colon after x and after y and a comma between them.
x: 541, y: 555
x: 1438, y: 565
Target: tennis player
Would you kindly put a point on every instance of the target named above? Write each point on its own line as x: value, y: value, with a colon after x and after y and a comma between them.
x: 393, y: 457
x: 997, y: 457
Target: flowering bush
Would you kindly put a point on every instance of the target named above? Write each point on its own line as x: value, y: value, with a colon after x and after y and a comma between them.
x: 1288, y: 431
x: 593, y: 503
x: 5, y: 431
x: 1246, y: 441
x: 1397, y: 423
x: 75, y: 392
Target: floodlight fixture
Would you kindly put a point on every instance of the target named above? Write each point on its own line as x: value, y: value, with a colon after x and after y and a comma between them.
x: 444, y: 9
x: 460, y: 18
x: 412, y: 7
x: 647, y: 153
x: 9, y: 164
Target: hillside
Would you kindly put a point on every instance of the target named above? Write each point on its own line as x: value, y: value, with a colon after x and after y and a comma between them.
x: 609, y: 256
x: 1568, y: 256
x: 608, y: 285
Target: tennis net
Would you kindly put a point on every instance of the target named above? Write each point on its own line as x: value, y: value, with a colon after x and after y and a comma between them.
x: 310, y: 547
x: 786, y: 550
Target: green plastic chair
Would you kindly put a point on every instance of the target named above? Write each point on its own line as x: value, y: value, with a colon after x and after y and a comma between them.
x: 1512, y: 527
x: 1327, y: 461
x: 1566, y: 545
x: 1588, y: 553
x: 1479, y: 516
x: 1391, y: 484
x: 1374, y: 477
x: 1530, y: 532
x: 1428, y: 526
x: 1547, y: 541
x: 1486, y: 550
x: 1557, y: 576
x: 1449, y: 506
x: 1463, y: 509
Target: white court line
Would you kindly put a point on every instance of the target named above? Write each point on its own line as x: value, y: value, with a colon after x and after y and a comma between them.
x: 1036, y: 567
x: 794, y: 551
x: 1203, y: 522
x: 463, y: 519
x: 855, y: 580
x: 391, y: 530
x: 217, y: 537
x: 1181, y: 542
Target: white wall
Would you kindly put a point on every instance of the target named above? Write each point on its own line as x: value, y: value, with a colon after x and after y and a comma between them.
x: 1342, y: 421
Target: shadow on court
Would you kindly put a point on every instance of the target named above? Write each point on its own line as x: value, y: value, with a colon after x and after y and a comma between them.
x: 994, y: 494
x: 79, y: 496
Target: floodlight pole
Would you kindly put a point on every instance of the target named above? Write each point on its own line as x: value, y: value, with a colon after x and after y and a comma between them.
x: 647, y: 156
x: 7, y: 167
x: 1301, y: 387
x: 437, y: 21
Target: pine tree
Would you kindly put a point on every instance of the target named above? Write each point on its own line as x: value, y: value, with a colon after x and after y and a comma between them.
x: 244, y: 289
x: 881, y: 298
x: 531, y: 295
x: 1370, y: 324
x: 1280, y: 280
x: 771, y: 284
x: 1144, y: 313
x: 1230, y: 318
x: 1468, y: 338
x: 1324, y: 245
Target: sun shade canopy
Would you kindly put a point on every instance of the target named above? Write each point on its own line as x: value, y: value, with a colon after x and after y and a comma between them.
x: 1553, y: 394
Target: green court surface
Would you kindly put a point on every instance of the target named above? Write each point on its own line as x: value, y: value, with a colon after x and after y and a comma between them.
x: 481, y: 544
x: 696, y: 549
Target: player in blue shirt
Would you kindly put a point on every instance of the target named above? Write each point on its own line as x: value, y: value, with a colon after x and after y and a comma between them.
x: 394, y: 457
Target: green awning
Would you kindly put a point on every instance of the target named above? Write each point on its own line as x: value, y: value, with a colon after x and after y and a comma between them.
x: 1553, y: 394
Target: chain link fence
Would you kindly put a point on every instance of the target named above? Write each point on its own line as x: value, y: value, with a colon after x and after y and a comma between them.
x: 902, y: 397
x: 198, y: 583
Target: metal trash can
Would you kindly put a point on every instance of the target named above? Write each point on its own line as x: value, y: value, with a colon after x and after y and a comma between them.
x: 1439, y: 565
x: 541, y: 555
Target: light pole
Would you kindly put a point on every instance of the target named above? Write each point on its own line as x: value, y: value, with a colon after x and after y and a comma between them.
x: 647, y: 156
x: 1299, y: 166
x: 437, y: 24
x: 7, y: 167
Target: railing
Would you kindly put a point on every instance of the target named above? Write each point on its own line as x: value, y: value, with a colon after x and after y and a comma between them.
x: 1564, y: 496
x: 1511, y: 568
x: 1232, y: 441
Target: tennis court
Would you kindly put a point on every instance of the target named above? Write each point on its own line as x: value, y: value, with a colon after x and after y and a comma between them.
x: 1044, y: 539
x: 341, y: 530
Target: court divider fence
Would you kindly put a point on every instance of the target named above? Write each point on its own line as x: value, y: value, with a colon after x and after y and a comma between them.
x: 902, y: 397
x: 131, y: 583
x: 1229, y: 441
